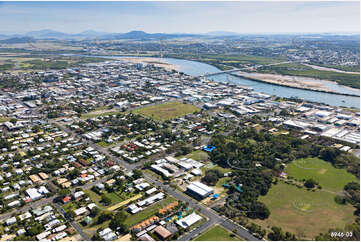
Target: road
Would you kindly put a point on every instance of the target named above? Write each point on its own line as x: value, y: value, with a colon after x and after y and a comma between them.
x: 74, y: 224
x: 27, y: 207
x: 213, y: 217
x: 208, y: 212
x: 48, y: 200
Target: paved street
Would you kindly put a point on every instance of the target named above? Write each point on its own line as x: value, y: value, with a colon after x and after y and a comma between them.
x: 74, y: 224
x: 48, y: 200
x: 209, y: 213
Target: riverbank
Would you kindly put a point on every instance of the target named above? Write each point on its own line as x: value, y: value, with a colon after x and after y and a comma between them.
x: 297, y: 82
x: 150, y: 60
x: 292, y: 82
x: 322, y: 68
x: 194, y: 68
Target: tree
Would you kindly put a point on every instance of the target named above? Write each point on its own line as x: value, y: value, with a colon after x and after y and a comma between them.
x: 284, y: 112
x: 94, y: 212
x: 258, y: 210
x: 329, y: 154
x: 104, y: 216
x: 137, y: 174
x: 36, y: 128
x: 147, y: 165
x: 277, y: 235
x: 340, y: 199
x: 118, y: 221
x: 74, y: 174
x: 185, y: 149
x: 105, y: 199
x: 211, y: 177
x: 96, y: 237
x: 310, y: 183
x: 35, y: 229
x: 13, y: 120
x: 64, y: 192
x: 71, y: 214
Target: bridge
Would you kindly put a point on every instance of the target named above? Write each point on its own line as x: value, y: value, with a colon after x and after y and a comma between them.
x: 220, y: 72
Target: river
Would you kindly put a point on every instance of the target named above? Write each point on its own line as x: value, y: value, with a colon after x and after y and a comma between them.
x: 194, y: 68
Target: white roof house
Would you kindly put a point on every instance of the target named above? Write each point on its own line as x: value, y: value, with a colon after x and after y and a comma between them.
x: 109, y: 236
x: 171, y: 159
x: 200, y: 189
x: 142, y: 186
x: 151, y: 200
x: 185, y: 166
x: 91, y: 206
x: 196, y: 172
x: 25, y: 216
x: 10, y: 221
x: 51, y: 224
x: 159, y: 169
x: 189, y: 220
x: 43, y: 235
x: 104, y: 232
x: 134, y: 208
x: 80, y: 211
x: 14, y: 204
x: 59, y: 228
x: 60, y: 236
x: 33, y: 193
x: 43, y: 190
x: 150, y: 191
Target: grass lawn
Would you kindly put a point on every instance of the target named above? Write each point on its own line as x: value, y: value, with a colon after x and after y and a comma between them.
x: 198, y: 155
x: 103, y: 144
x: 304, y: 213
x: 118, y: 205
x: 99, y: 113
x: 70, y: 206
x: 148, y: 212
x: 215, y: 167
x: 115, y: 198
x: 217, y: 233
x: 222, y: 181
x: 329, y: 177
x: 167, y: 111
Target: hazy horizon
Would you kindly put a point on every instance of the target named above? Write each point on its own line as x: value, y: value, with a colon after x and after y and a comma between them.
x: 179, y: 17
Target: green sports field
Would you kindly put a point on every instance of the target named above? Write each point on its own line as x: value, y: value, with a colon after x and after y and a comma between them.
x: 304, y: 213
x: 217, y: 233
x: 166, y: 111
x: 329, y: 177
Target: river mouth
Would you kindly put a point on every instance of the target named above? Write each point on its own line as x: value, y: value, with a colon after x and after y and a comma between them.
x: 194, y: 68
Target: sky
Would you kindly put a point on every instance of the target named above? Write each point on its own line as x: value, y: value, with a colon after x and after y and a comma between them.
x: 181, y: 17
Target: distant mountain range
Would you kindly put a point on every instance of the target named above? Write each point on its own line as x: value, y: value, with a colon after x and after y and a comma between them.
x: 48, y: 34
x: 222, y: 33
x: 91, y: 34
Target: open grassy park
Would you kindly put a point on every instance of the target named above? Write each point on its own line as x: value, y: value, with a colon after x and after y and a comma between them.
x: 166, y: 111
x: 100, y: 112
x: 217, y: 233
x: 304, y: 213
x: 198, y: 155
x: 308, y: 213
x: 329, y: 177
x: 115, y: 197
